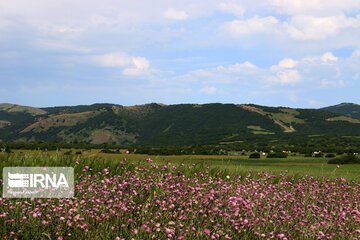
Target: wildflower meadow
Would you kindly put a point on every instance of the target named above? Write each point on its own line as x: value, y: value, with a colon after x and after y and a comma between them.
x: 124, y: 199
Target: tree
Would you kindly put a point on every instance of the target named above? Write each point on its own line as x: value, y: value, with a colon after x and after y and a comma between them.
x: 255, y: 155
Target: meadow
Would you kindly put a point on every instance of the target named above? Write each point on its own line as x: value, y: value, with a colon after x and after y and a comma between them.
x: 133, y: 196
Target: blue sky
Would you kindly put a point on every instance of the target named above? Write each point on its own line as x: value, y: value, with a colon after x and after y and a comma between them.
x: 296, y: 53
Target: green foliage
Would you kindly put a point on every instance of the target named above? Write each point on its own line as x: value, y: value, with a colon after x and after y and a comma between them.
x: 68, y: 152
x: 268, y: 109
x: 254, y: 155
x: 5, y: 149
x: 77, y: 109
x: 347, y: 109
x: 187, y: 124
x: 277, y: 155
x: 180, y: 150
x: 330, y: 155
x: 106, y: 150
x: 347, y: 159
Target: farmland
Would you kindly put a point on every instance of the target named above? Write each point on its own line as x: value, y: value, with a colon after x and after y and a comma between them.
x: 188, y: 197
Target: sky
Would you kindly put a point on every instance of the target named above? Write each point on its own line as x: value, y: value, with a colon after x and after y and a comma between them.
x: 294, y: 53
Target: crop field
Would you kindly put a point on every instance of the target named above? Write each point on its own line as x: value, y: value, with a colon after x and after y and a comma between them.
x: 133, y: 196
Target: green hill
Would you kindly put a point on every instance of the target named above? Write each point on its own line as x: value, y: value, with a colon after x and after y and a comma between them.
x: 171, y: 124
x: 347, y: 109
x: 14, y: 108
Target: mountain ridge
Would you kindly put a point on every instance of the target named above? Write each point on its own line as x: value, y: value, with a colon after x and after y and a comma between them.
x: 347, y: 109
x: 155, y: 123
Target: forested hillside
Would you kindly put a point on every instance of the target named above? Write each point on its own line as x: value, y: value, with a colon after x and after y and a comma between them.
x: 174, y: 124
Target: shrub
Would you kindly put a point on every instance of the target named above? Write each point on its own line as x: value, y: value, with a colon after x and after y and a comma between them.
x: 318, y: 155
x: 68, y: 152
x: 330, y: 155
x: 6, y: 149
x: 254, y: 155
x: 277, y: 155
x: 347, y: 159
x: 105, y: 150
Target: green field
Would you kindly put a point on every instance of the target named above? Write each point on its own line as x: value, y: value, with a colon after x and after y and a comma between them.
x: 296, y: 166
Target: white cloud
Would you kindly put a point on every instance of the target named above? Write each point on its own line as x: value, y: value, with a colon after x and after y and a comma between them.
x: 132, y: 66
x: 208, y: 90
x: 241, y: 68
x: 326, y: 58
x: 329, y: 57
x: 83, y: 27
x: 141, y: 63
x: 321, y: 71
x: 314, y: 7
x: 252, y: 26
x: 331, y: 83
x: 285, y: 63
x: 141, y: 67
x: 233, y: 8
x: 174, y: 14
x: 306, y: 27
x: 108, y: 27
x: 236, y: 73
x: 114, y: 60
x: 325, y: 70
x: 284, y: 77
x: 297, y: 27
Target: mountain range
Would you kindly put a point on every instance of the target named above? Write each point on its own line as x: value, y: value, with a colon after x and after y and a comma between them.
x: 174, y: 124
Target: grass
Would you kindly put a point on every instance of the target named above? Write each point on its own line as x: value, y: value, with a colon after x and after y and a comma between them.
x: 262, y: 132
x: 259, y: 130
x: 287, y: 118
x: 295, y: 165
x: 187, y: 197
x: 344, y: 118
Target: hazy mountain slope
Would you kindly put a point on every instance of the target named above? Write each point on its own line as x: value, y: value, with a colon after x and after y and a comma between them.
x: 347, y: 109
